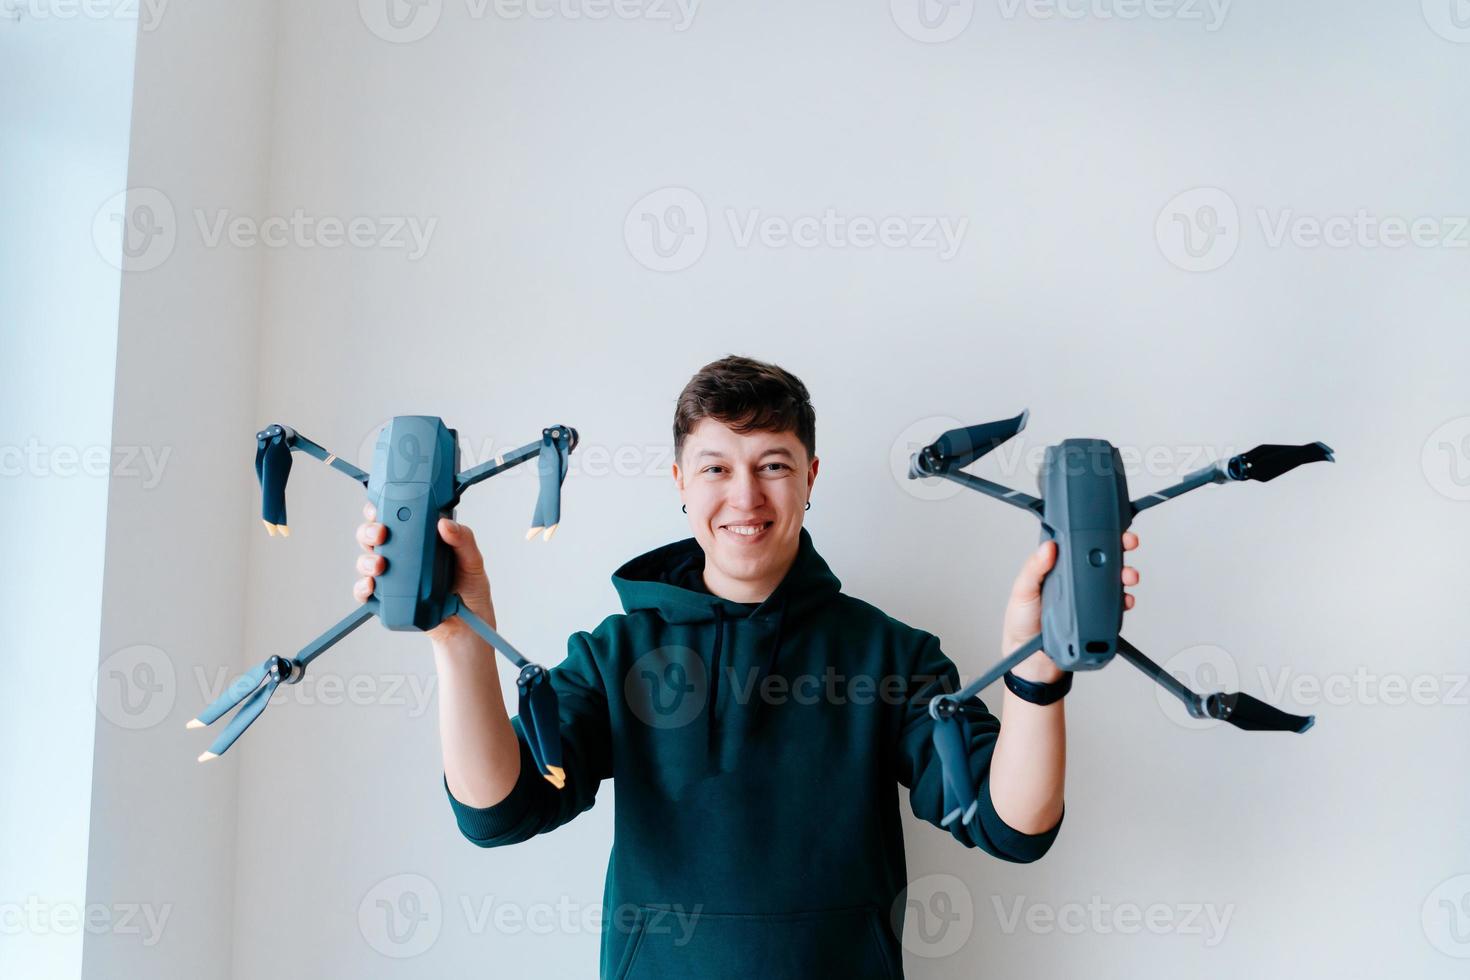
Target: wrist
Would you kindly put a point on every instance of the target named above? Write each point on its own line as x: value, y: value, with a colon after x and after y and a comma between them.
x: 1037, y: 668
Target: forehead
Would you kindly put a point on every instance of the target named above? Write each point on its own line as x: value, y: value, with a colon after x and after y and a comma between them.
x: 711, y: 436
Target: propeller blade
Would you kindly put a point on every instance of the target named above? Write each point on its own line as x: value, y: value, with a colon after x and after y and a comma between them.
x: 958, y: 448
x: 232, y: 696
x: 556, y: 445
x: 952, y: 744
x: 247, y: 714
x: 1253, y: 715
x: 1267, y: 462
x: 272, y: 468
x: 540, y: 720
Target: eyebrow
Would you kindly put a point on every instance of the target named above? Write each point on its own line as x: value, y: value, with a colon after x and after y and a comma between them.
x: 716, y: 454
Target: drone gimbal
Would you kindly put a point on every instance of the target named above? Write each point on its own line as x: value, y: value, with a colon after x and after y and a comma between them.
x: 1085, y: 508
x: 415, y: 480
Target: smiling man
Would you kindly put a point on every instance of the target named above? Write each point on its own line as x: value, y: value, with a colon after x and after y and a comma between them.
x: 759, y: 722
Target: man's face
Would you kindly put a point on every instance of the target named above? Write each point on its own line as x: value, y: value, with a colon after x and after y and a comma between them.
x: 746, y: 494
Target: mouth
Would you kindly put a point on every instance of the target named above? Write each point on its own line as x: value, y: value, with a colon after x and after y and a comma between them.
x: 746, y: 531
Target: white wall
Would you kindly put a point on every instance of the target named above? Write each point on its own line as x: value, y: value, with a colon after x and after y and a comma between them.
x: 164, y: 827
x: 64, y: 102
x: 530, y: 144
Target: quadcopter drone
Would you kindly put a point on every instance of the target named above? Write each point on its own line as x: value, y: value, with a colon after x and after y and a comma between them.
x: 1085, y: 509
x: 415, y: 480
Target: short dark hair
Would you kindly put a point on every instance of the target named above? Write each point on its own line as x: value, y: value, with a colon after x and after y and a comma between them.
x: 748, y: 396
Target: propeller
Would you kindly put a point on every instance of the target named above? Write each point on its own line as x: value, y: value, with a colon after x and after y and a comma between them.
x: 1267, y: 462
x: 557, y: 443
x: 540, y: 720
x: 255, y: 695
x: 958, y: 448
x: 952, y: 745
x: 1252, y: 714
x: 272, y: 468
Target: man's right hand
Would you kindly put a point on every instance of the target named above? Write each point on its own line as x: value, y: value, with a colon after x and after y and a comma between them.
x: 470, y: 580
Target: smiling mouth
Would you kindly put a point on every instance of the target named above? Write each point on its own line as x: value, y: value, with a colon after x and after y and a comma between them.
x: 747, y: 530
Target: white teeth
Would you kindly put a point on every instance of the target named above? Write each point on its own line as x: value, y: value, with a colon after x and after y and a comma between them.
x: 745, y: 530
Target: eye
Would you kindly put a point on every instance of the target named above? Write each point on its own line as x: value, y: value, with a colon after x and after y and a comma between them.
x: 712, y: 468
x: 779, y: 466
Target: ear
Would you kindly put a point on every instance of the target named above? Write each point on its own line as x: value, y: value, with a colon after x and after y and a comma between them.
x: 811, y: 474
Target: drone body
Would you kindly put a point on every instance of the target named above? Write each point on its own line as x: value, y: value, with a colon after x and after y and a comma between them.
x: 414, y: 481
x: 1085, y: 509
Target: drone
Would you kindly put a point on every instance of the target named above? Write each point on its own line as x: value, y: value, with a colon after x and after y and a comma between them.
x: 1085, y: 509
x: 415, y: 480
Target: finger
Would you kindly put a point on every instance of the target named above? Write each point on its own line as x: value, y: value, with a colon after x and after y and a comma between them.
x: 462, y: 540
x: 371, y: 535
x: 369, y: 511
x: 1128, y: 600
x: 1130, y: 541
x: 1028, y: 582
x: 362, y: 589
x: 1130, y: 575
x: 371, y: 564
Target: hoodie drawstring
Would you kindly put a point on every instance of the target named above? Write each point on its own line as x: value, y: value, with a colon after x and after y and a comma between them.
x: 714, y: 681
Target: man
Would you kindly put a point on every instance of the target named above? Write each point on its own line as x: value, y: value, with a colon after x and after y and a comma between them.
x: 757, y: 720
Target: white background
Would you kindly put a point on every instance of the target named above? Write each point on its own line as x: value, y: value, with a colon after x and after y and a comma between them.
x: 531, y: 146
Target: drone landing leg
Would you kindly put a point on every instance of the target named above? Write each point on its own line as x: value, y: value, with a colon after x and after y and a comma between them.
x: 1241, y: 710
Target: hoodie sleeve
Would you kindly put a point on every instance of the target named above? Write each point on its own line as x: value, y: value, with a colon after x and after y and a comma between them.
x: 534, y: 806
x: 918, y: 764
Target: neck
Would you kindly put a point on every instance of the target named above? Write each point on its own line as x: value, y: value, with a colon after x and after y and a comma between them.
x: 745, y: 590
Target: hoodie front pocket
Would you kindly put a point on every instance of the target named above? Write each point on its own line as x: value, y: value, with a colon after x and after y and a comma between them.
x: 848, y: 943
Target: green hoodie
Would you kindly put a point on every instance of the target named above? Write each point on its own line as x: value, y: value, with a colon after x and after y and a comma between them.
x: 761, y: 838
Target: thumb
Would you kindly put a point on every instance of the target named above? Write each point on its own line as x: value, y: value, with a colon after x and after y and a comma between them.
x: 462, y: 540
x: 1028, y: 583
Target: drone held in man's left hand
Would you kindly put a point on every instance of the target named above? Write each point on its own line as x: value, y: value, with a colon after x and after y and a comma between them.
x: 1085, y: 509
x: 415, y: 480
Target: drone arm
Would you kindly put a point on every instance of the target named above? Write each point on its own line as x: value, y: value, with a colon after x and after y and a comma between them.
x: 1002, y: 493
x: 299, y: 442
x: 345, y: 625
x: 499, y: 464
x: 1241, y: 710
x: 937, y: 705
x: 1214, y: 473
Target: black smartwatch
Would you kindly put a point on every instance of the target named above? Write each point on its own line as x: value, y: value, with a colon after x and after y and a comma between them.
x: 1039, y: 693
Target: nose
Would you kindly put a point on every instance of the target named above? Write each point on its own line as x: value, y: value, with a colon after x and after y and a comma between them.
x: 746, y: 492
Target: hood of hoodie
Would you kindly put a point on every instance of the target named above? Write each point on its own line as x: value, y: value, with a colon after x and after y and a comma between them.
x: 650, y: 582
x: 738, y: 631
